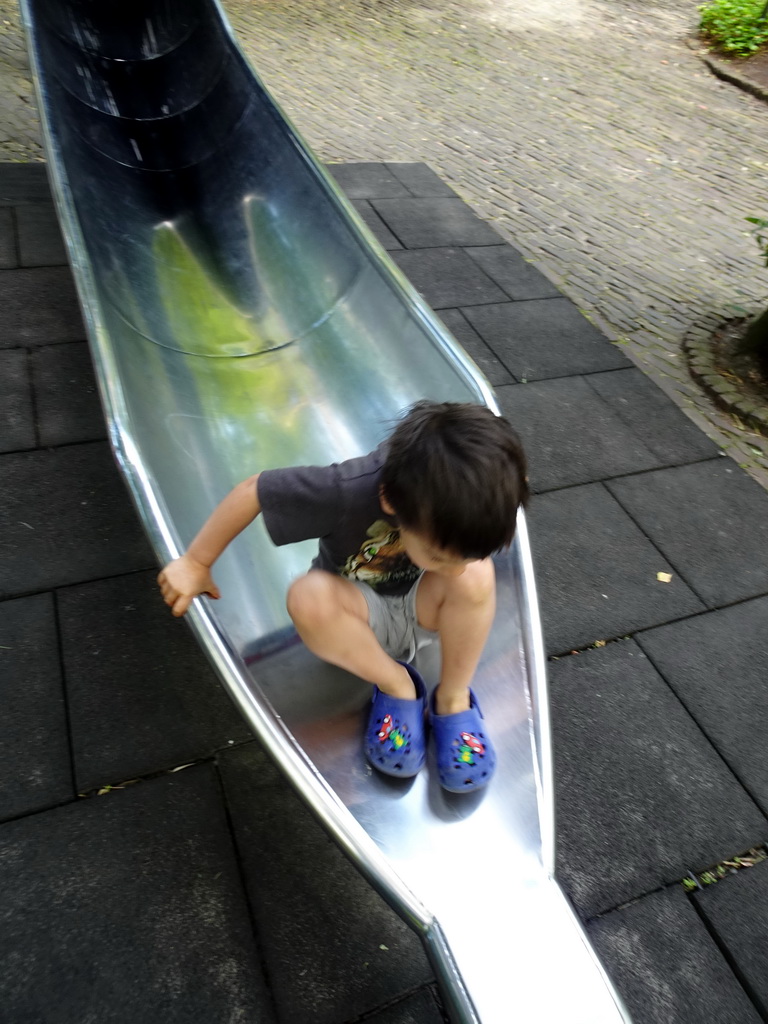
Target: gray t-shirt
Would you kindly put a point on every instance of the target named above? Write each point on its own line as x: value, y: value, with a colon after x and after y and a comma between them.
x: 340, y: 505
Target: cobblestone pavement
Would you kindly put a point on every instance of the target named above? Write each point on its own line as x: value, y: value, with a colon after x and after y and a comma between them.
x: 19, y: 124
x: 587, y: 131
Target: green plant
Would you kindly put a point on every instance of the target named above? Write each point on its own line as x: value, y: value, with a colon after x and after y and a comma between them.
x: 735, y: 26
x: 726, y: 867
x: 760, y: 238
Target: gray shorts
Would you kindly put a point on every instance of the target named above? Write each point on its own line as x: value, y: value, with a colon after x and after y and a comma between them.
x: 394, y: 623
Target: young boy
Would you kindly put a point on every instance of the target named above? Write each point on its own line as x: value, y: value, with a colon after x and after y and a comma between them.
x: 406, y: 534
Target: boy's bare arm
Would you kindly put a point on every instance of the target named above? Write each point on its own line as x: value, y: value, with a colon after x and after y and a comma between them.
x: 185, y: 578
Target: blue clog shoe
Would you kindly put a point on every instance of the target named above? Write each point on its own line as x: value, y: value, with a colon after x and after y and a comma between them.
x: 466, y: 759
x: 395, y: 741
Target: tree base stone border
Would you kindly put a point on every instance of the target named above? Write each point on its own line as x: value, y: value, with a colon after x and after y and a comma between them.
x: 726, y: 73
x: 697, y: 345
x: 726, y: 70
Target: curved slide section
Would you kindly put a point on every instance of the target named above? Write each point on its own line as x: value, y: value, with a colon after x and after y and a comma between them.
x: 241, y: 318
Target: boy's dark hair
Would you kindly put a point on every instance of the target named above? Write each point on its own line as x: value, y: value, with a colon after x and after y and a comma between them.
x: 456, y: 473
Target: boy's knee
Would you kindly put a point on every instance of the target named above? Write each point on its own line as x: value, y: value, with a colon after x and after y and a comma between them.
x: 477, y: 584
x: 320, y: 600
x: 310, y: 599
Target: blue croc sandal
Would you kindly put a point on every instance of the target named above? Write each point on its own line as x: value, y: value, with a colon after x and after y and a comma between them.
x: 466, y: 759
x: 395, y: 739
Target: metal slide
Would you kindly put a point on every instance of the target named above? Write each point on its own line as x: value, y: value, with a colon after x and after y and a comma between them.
x: 241, y: 317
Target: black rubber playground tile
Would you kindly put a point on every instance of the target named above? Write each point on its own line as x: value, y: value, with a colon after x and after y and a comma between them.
x: 475, y: 347
x: 8, y: 252
x: 420, y: 223
x: 447, y: 277
x: 38, y: 306
x: 710, y: 520
x: 128, y: 907
x: 35, y: 768
x: 419, y: 1008
x: 570, y: 434
x: 334, y: 949
x: 717, y: 664
x: 65, y: 518
x: 420, y: 180
x: 142, y: 697
x: 367, y: 181
x: 642, y: 797
x: 380, y: 230
x: 736, y: 910
x: 17, y: 423
x: 512, y: 273
x: 542, y: 338
x: 596, y: 571
x: 40, y: 241
x: 23, y: 183
x: 652, y: 416
x: 66, y: 396
x: 667, y: 967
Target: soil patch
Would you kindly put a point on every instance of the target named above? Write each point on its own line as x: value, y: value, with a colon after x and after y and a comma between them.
x: 739, y: 367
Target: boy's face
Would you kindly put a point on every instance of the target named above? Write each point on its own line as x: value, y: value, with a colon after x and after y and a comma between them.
x: 424, y: 553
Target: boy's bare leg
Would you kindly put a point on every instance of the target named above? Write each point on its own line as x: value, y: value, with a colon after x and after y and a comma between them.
x: 461, y: 608
x: 331, y: 617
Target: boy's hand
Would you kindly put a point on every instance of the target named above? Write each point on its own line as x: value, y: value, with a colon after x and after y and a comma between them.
x: 184, y: 579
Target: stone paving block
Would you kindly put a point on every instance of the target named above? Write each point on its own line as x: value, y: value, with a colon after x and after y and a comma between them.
x: 652, y: 416
x: 367, y: 181
x: 716, y: 664
x: 40, y: 241
x: 38, y: 306
x: 420, y: 223
x: 8, y: 254
x: 475, y: 347
x: 596, y: 571
x: 17, y: 425
x: 35, y: 768
x: 65, y: 518
x: 66, y: 395
x: 737, y: 911
x: 642, y: 797
x: 665, y: 965
x: 419, y: 1008
x: 420, y: 179
x: 321, y: 925
x: 570, y: 434
x: 710, y: 520
x: 142, y: 696
x: 542, y: 338
x: 447, y: 277
x: 376, y: 224
x: 128, y: 907
x: 23, y: 183
x: 512, y: 273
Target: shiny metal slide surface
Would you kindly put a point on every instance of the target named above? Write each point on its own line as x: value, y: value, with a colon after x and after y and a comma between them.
x: 242, y: 318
